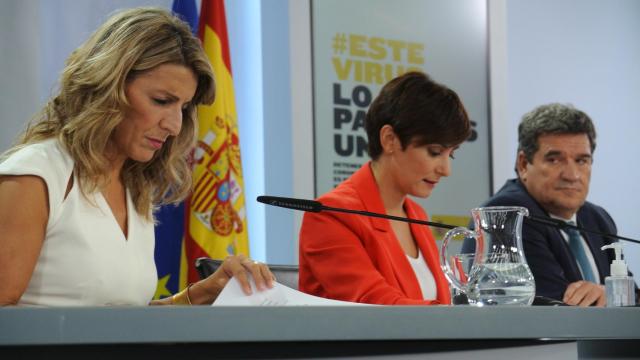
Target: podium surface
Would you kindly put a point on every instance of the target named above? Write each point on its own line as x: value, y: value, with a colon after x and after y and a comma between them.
x: 312, y: 331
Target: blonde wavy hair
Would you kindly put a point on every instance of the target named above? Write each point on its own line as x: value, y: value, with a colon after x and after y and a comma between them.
x: 91, y: 103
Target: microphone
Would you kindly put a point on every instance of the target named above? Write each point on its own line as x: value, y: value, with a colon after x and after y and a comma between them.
x: 316, y: 206
x: 291, y: 203
x: 563, y: 225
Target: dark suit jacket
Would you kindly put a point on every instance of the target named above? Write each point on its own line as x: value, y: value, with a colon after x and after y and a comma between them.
x: 547, y: 253
x: 356, y: 258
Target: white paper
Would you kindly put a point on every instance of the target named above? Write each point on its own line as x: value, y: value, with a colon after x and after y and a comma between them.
x: 278, y: 295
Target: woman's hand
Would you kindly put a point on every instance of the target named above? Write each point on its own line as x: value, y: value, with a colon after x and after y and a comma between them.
x: 240, y: 267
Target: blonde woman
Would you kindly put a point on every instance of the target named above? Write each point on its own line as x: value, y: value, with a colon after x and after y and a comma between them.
x: 78, y: 191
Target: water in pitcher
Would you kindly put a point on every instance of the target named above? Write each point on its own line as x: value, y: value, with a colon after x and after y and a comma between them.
x: 502, y: 284
x: 499, y: 273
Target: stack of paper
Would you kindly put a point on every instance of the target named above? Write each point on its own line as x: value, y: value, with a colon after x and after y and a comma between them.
x: 278, y: 295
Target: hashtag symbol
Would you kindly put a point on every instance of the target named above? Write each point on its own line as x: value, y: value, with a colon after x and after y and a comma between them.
x: 339, y: 43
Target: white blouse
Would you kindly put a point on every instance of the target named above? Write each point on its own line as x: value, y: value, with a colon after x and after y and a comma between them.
x: 425, y: 277
x: 85, y: 258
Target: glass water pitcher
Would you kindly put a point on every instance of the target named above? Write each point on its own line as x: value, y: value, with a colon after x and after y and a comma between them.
x: 499, y: 274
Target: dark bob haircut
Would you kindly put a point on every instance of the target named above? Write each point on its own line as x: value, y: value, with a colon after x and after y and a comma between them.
x: 420, y: 111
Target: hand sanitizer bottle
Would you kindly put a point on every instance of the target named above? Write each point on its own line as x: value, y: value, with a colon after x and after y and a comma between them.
x: 619, y: 286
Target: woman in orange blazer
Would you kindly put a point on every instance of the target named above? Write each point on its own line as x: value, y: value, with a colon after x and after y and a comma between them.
x: 413, y: 128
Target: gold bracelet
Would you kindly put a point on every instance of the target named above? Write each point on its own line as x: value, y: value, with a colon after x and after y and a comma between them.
x: 182, y: 298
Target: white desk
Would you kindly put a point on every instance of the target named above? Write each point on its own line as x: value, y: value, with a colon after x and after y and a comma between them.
x: 186, y: 332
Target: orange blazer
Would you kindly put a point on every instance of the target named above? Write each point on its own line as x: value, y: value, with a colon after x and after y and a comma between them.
x: 356, y: 258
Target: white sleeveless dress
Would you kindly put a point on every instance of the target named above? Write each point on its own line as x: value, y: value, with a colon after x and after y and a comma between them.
x: 85, y: 258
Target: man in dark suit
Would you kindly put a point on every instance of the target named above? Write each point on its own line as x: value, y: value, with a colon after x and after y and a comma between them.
x: 555, y: 154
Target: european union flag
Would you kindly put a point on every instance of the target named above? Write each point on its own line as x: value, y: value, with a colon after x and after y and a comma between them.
x: 187, y: 10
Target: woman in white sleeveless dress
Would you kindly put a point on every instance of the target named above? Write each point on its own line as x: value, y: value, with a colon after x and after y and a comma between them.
x: 77, y: 193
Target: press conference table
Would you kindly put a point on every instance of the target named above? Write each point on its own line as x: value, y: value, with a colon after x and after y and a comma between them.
x: 313, y: 331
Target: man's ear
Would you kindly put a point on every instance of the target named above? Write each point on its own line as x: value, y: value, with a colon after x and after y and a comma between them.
x: 388, y: 139
x: 521, y: 166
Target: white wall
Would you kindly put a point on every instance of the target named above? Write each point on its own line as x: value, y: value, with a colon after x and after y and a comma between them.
x: 277, y: 129
x: 301, y: 108
x: 583, y: 52
x: 19, y: 68
x: 36, y: 36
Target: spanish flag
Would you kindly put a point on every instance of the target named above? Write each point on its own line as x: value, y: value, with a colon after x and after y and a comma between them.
x: 216, y: 222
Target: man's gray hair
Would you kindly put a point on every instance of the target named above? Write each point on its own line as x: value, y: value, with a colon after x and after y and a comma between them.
x: 552, y: 119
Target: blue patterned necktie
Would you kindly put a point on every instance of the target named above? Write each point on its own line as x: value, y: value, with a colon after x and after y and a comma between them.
x: 575, y: 243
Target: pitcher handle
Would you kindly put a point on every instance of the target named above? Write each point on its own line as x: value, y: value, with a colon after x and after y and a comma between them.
x: 446, y: 266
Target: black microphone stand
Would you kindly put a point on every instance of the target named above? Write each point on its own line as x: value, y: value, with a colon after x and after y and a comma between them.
x: 316, y: 206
